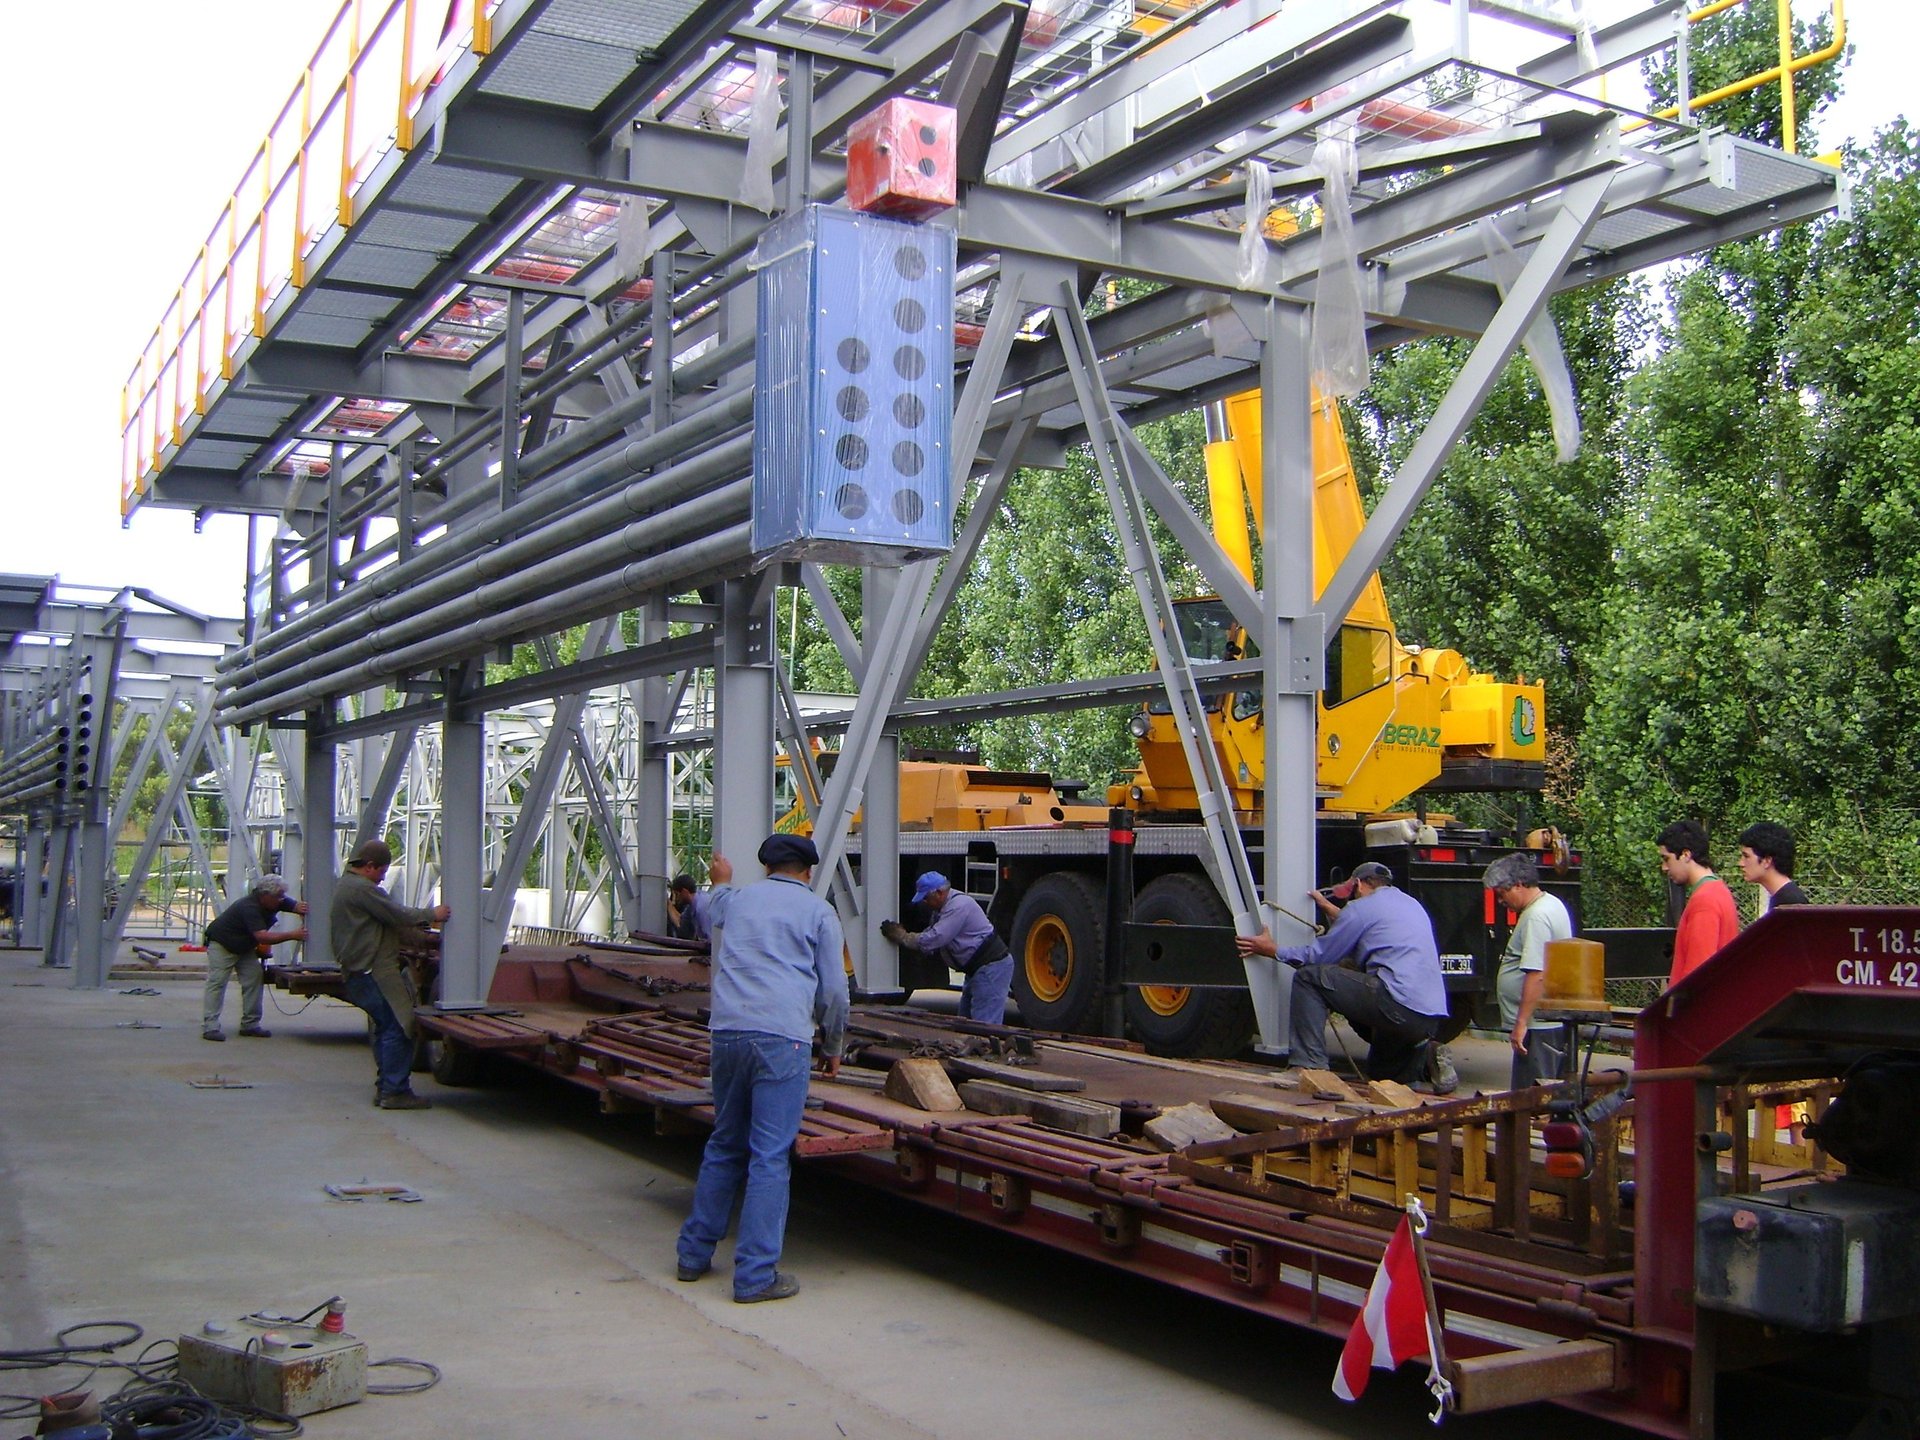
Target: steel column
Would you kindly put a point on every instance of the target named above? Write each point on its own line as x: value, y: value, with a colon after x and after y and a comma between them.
x: 1292, y: 645
x: 319, y: 779
x: 466, y: 966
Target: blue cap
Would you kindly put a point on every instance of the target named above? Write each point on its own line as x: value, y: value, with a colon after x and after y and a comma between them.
x: 928, y: 883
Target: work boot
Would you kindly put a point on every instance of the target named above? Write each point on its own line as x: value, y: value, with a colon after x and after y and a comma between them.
x: 1441, y: 1074
x: 256, y: 1032
x: 783, y: 1286
x: 215, y: 1033
x: 687, y: 1274
x: 404, y: 1100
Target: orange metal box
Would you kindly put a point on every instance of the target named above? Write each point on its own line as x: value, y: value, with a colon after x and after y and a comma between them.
x: 900, y: 159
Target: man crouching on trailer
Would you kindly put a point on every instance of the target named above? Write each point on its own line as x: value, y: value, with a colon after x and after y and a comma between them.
x: 777, y: 970
x: 1396, y: 991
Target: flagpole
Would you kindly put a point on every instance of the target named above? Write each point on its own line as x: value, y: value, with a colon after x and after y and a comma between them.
x: 1437, y: 1383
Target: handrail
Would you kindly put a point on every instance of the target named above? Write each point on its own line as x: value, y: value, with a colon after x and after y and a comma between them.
x: 264, y: 237
x: 1789, y: 65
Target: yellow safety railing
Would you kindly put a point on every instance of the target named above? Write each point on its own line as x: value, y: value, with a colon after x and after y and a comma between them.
x: 1782, y: 73
x: 326, y: 139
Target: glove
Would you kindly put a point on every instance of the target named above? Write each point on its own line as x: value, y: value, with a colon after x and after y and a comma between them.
x: 893, y: 930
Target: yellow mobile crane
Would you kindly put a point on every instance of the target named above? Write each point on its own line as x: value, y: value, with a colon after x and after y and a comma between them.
x: 1392, y: 721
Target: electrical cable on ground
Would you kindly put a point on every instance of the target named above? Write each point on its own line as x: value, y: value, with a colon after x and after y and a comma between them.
x: 405, y: 1387
x: 153, y: 1402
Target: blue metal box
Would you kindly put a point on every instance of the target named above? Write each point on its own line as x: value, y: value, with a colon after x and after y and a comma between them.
x: 853, y: 416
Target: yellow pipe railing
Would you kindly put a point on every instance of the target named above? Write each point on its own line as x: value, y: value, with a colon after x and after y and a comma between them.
x: 167, y: 384
x: 1783, y: 73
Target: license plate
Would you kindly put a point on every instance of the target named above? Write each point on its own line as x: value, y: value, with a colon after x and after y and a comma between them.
x: 1456, y: 965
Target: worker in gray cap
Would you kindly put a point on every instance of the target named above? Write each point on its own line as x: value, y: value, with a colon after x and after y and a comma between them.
x: 236, y: 940
x: 779, y: 970
x: 366, y: 927
x: 962, y: 937
x: 1394, y: 987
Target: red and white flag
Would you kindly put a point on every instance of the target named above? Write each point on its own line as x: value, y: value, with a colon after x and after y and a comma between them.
x: 1392, y: 1327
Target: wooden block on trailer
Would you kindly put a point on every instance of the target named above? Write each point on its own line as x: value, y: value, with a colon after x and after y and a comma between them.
x: 1182, y: 1125
x: 1393, y: 1093
x: 1325, y: 1085
x: 1055, y: 1112
x: 923, y: 1084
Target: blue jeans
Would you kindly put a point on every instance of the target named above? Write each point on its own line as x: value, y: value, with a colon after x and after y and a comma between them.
x: 759, y: 1095
x: 392, y: 1046
x: 983, y: 994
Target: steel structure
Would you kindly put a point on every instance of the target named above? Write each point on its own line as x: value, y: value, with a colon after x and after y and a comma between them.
x: 89, y: 683
x: 106, y: 695
x: 477, y: 331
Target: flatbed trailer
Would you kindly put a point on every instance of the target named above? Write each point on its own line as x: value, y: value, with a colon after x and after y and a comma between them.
x: 1576, y: 1290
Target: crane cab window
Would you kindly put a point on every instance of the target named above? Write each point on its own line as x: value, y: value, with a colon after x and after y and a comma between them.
x: 1359, y: 659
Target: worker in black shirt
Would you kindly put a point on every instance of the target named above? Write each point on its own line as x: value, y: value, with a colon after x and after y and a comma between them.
x: 236, y: 940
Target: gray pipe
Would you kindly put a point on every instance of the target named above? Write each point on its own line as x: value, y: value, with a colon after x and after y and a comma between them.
x: 357, y: 636
x: 725, y: 411
x: 521, y: 581
x: 716, y: 552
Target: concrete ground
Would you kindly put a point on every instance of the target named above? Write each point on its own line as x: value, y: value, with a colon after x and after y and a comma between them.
x: 537, y: 1272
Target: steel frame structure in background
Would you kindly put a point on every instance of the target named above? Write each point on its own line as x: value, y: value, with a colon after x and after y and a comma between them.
x: 507, y: 390
x: 136, y: 672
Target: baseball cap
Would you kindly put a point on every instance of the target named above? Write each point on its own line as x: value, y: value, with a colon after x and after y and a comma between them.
x: 1371, y: 871
x: 928, y: 883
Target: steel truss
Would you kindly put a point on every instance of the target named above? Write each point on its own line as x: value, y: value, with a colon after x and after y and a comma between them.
x: 463, y: 454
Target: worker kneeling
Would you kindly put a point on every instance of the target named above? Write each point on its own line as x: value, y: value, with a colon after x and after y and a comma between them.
x: 1393, y: 989
x: 963, y: 938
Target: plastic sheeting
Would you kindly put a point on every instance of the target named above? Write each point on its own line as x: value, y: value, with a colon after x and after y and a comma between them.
x: 1253, y: 237
x: 1542, y: 344
x: 1339, y: 349
x: 632, y: 237
x: 756, y: 188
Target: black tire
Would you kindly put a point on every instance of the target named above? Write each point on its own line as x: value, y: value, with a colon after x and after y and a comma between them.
x: 1205, y: 1023
x: 1059, y: 932
x: 455, y: 1064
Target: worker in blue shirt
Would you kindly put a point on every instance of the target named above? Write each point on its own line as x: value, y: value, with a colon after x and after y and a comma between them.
x: 780, y: 971
x: 689, y: 910
x: 1394, y: 989
x: 961, y: 937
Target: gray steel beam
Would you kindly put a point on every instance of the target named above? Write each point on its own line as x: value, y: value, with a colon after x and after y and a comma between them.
x: 744, y: 724
x: 319, y: 778
x: 466, y: 964
x: 1579, y: 210
x: 1292, y: 656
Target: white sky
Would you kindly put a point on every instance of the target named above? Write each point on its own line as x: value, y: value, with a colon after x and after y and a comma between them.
x: 128, y: 123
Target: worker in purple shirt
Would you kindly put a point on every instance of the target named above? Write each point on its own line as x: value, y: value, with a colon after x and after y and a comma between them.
x: 780, y: 971
x: 960, y: 936
x: 1396, y: 991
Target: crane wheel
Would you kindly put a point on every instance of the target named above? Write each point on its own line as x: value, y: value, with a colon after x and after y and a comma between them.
x: 1059, y: 932
x: 1176, y: 1020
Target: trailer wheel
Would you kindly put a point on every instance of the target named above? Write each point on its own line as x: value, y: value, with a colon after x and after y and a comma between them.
x: 1058, y: 934
x: 1176, y: 1020
x: 455, y: 1064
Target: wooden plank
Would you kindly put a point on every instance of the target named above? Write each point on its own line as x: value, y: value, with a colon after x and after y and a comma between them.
x: 1055, y: 1112
x: 1257, y: 1113
x: 923, y: 1084
x: 1182, y: 1125
x: 1022, y: 1076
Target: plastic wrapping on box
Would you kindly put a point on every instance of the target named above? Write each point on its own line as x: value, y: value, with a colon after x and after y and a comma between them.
x: 853, y: 409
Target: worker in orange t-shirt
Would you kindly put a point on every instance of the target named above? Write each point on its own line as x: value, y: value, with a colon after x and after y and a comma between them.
x: 1710, y: 919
